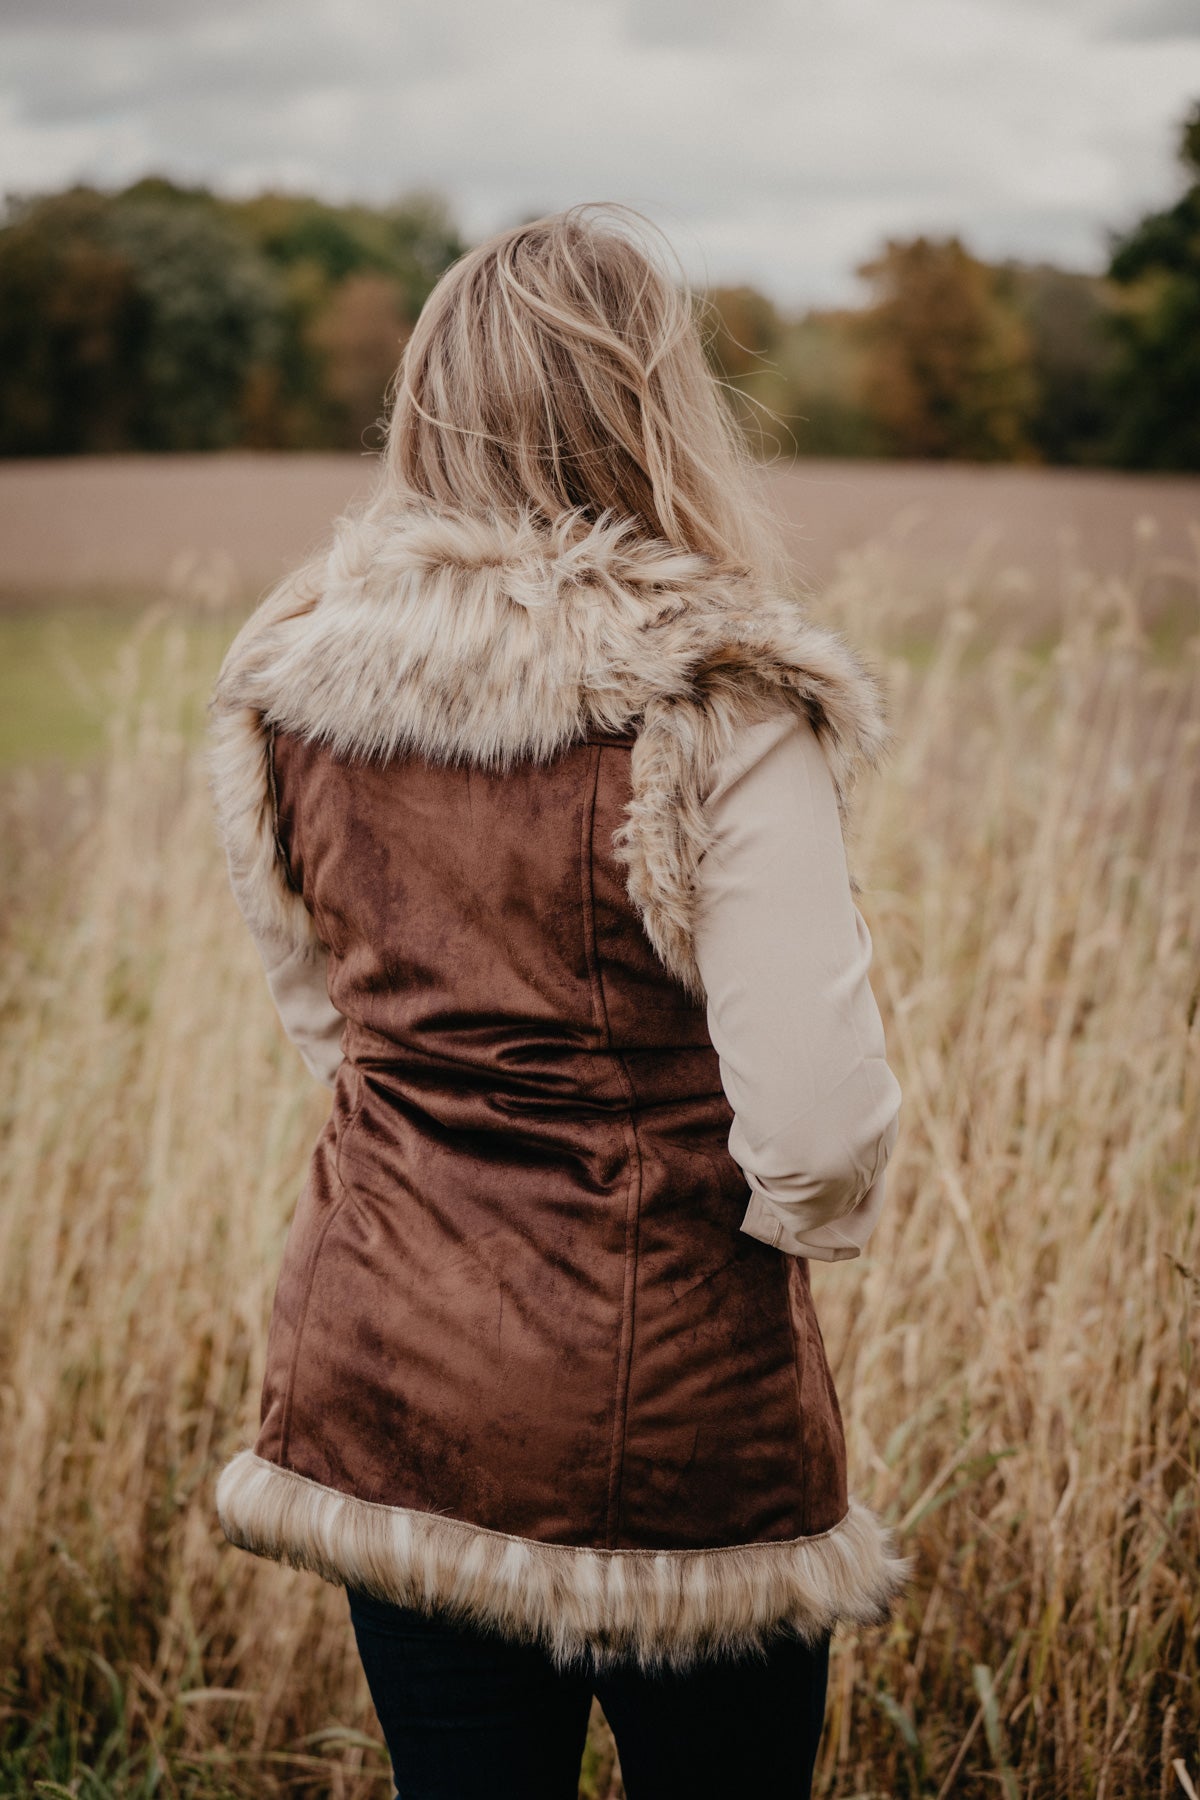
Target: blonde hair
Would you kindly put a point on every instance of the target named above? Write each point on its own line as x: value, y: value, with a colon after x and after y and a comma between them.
x: 559, y: 368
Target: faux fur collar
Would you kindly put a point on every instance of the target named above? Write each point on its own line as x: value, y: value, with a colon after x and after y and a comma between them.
x: 489, y: 641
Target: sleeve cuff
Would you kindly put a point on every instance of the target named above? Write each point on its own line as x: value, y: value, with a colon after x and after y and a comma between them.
x: 822, y: 1245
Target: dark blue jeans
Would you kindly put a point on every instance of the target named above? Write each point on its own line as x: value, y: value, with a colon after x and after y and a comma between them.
x: 469, y: 1715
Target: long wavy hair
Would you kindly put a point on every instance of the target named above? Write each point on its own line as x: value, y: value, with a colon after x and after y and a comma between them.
x: 557, y: 374
x: 560, y: 367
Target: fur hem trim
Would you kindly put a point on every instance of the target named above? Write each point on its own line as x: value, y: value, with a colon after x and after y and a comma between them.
x: 488, y: 640
x: 661, y: 1608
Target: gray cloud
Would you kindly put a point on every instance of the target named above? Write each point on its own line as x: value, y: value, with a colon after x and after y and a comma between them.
x: 697, y: 22
x: 1154, y: 19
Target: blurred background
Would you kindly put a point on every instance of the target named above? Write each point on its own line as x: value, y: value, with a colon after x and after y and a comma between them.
x: 946, y: 260
x: 936, y: 231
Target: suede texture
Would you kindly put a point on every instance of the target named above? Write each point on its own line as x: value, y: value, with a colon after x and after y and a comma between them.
x: 515, y: 1290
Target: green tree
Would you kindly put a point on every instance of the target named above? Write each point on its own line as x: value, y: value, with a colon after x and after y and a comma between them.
x: 1067, y: 318
x: 947, y: 362
x: 411, y: 241
x: 210, y: 314
x: 127, y: 324
x: 1156, y: 379
x: 741, y: 328
x: 70, y: 318
x: 821, y: 362
x: 792, y: 381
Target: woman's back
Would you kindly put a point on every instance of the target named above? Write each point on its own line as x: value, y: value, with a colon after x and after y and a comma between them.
x: 543, y: 1218
x: 530, y: 787
x: 516, y: 1294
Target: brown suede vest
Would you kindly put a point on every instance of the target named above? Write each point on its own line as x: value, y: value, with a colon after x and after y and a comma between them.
x: 525, y: 1366
x: 515, y: 1289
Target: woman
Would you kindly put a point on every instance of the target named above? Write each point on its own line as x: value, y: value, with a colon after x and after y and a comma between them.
x: 530, y: 792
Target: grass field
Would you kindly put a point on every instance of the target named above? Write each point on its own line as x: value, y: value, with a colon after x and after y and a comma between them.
x: 1016, y: 1353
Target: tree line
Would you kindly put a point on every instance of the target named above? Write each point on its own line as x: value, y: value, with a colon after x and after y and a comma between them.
x: 162, y: 317
x: 955, y: 357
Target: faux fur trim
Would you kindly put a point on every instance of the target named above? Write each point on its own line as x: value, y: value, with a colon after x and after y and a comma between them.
x: 659, y: 1607
x: 488, y: 640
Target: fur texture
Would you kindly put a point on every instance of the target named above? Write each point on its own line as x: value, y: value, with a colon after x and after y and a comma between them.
x: 659, y: 1607
x: 485, y: 641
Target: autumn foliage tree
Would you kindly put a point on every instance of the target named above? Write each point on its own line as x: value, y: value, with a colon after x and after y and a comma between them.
x: 359, y: 335
x: 946, y: 367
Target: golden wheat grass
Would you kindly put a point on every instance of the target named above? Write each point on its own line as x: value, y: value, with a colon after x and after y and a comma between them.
x: 1015, y: 1354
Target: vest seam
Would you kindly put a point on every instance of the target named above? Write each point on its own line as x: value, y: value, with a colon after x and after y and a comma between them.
x: 633, y: 1195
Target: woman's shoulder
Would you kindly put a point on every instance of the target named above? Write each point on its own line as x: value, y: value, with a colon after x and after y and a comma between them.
x: 779, y: 739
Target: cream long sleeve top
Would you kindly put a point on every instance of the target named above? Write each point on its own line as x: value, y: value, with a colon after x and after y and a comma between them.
x: 784, y: 955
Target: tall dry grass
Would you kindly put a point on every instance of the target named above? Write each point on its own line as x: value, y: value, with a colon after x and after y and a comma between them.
x: 1015, y: 1355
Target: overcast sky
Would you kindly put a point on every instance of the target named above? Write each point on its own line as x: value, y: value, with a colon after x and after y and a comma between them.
x: 777, y: 141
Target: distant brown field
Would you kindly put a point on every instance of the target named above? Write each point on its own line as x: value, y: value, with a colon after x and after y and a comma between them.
x: 131, y: 525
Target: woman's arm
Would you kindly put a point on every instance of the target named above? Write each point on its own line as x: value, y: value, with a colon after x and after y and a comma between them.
x: 297, y: 981
x: 784, y: 953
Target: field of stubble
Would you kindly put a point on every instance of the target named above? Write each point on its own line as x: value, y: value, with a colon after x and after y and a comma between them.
x: 1016, y: 1354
